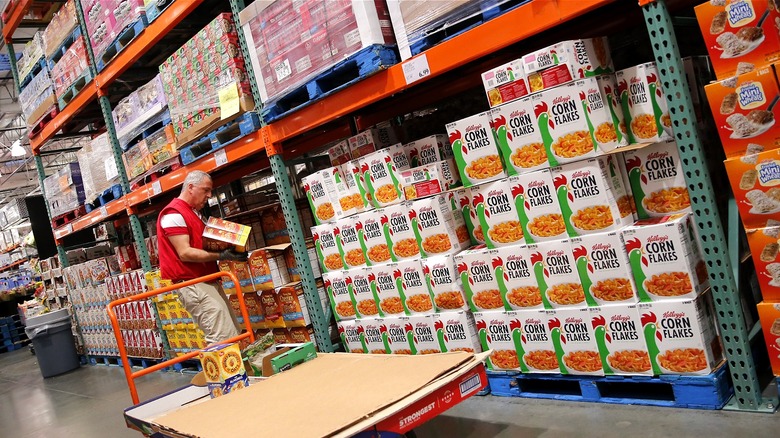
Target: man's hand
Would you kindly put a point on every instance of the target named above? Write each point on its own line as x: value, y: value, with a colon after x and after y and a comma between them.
x: 231, y: 254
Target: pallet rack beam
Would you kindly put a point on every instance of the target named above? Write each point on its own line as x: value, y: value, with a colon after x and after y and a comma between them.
x: 747, y: 390
x: 15, y: 19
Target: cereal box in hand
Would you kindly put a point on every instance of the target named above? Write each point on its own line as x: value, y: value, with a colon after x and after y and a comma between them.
x: 428, y: 150
x: 536, y: 351
x: 348, y: 241
x: 359, y: 283
x: 373, y: 240
x: 520, y: 290
x: 456, y: 331
x: 519, y: 137
x: 574, y: 339
x: 587, y: 202
x: 745, y: 110
x: 381, y: 179
x: 621, y: 341
x: 681, y: 335
x: 755, y: 182
x: 657, y: 180
x: 494, y: 203
x: 769, y: 313
x: 387, y: 287
x: 394, y: 335
x: 421, y: 332
x: 338, y: 289
x: 350, y: 336
x: 555, y: 272
x: 481, y: 275
x: 327, y: 248
x: 329, y: 197
x: 371, y: 336
x: 602, y: 264
x: 475, y: 150
x: 439, y: 228
x: 505, y: 83
x: 414, y: 291
x: 665, y: 258
x: 538, y: 206
x: 644, y: 105
x: 764, y: 245
x: 444, y: 282
x: 399, y: 233
x: 740, y: 34
x: 495, y: 333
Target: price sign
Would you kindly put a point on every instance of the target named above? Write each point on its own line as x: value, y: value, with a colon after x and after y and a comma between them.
x: 416, y: 69
x: 156, y: 188
x: 103, y: 211
x: 220, y: 157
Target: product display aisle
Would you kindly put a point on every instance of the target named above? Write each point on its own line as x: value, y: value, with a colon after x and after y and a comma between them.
x: 427, y: 208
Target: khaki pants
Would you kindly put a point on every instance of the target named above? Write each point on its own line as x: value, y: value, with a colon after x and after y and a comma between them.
x: 211, y: 310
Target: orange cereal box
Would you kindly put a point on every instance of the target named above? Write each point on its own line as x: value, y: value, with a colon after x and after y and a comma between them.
x: 769, y: 313
x: 740, y: 34
x: 764, y: 244
x: 745, y: 110
x: 755, y: 181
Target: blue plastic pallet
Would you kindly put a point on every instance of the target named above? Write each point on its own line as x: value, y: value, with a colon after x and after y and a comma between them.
x: 39, y: 66
x: 74, y: 89
x: 111, y: 361
x: 696, y: 392
x: 110, y: 194
x: 489, y: 9
x: 154, y: 9
x: 120, y: 42
x: 63, y: 48
x: 226, y: 134
x: 355, y: 68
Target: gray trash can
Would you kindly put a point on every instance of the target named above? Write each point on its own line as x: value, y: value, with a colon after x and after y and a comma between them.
x: 53, y: 340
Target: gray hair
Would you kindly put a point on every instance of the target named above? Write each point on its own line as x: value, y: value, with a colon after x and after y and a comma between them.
x: 195, y: 177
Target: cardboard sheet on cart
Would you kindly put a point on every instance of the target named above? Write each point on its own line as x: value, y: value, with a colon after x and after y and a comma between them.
x: 335, y: 394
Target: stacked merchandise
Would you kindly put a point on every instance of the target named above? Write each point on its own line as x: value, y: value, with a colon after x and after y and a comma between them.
x: 106, y: 20
x: 180, y: 330
x: 98, y: 166
x: 37, y: 98
x: 32, y: 55
x: 60, y: 28
x: 292, y: 42
x: 744, y: 55
x: 71, y: 69
x: 64, y: 190
x: 205, y: 81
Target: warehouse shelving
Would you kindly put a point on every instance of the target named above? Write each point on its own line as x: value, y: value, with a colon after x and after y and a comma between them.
x: 361, y: 105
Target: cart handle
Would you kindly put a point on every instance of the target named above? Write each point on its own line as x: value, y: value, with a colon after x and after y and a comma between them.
x: 129, y: 374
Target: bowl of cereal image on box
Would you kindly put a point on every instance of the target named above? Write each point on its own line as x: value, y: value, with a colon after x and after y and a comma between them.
x: 667, y: 201
x: 612, y: 291
x: 541, y: 360
x: 583, y: 362
x: 741, y: 43
x: 764, y: 202
x: 547, y: 227
x: 667, y: 285
x: 755, y: 123
x: 606, y: 136
x: 525, y: 298
x: 563, y: 295
x: 488, y: 299
x: 592, y: 219
x: 682, y: 361
x: 573, y: 146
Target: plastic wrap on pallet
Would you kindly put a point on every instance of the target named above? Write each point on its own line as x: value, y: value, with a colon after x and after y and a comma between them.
x: 198, y: 77
x: 106, y: 19
x: 37, y: 96
x: 161, y: 145
x: 98, y: 167
x: 137, y: 159
x: 140, y: 106
x: 31, y: 55
x: 70, y: 67
x: 64, y: 190
x: 61, y: 26
x: 290, y: 43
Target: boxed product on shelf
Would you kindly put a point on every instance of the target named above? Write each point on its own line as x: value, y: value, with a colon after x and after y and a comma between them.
x: 290, y: 43
x: 475, y: 150
x: 536, y: 349
x: 37, y: 98
x: 107, y: 19
x: 621, y: 341
x: 339, y: 153
x: 348, y: 242
x: 31, y: 55
x: 64, y: 190
x: 610, y: 95
x: 556, y: 274
x: 574, y: 338
x: 350, y: 336
x: 769, y: 313
x: 604, y: 269
x: 428, y: 150
x: 220, y: 234
x: 137, y: 160
x: 457, y: 332
x: 460, y: 200
x: 740, y: 35
x: 681, y: 335
x: 329, y: 197
x: 382, y: 179
x: 415, y: 293
x: 272, y: 309
x: 519, y: 287
x: 98, y: 166
x: 268, y: 268
x: 754, y: 179
x: 657, y: 180
x: 131, y: 113
x: 439, y: 228
x: 644, y: 104
x: 744, y: 111
x: 327, y: 247
x: 339, y: 292
x: 71, y: 66
x: 399, y: 156
x: 505, y: 83
x: 421, y: 331
x: 162, y: 145
x: 387, y: 286
x: 372, y: 237
x: 519, y: 137
x: 496, y: 333
x: 442, y: 278
x: 587, y: 200
x: 371, y: 336
x: 538, y: 206
x: 665, y: 258
x: 241, y: 271
x: 398, y: 231
x: 274, y: 227
x: 764, y: 244
x: 394, y: 335
x: 359, y: 281
x: 203, y: 76
x: 480, y: 271
x: 497, y: 210
x: 353, y: 178
x: 613, y: 166
x: 366, y: 143
x: 60, y: 27
x: 566, y: 61
x: 424, y: 181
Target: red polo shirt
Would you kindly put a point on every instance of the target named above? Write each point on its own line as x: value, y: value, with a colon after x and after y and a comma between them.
x: 171, y: 266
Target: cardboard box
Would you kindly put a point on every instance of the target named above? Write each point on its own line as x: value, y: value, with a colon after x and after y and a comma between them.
x: 613, y: 167
x: 610, y: 95
x: 340, y: 294
x: 439, y: 228
x: 220, y: 234
x: 359, y: 283
x: 349, y: 243
x: 353, y: 177
x: 619, y: 333
x: 538, y: 206
x: 496, y: 333
x: 428, y: 150
x: 223, y: 367
x: 371, y: 336
x: 457, y: 331
x: 519, y: 137
x: 566, y: 61
x: 657, y: 180
x: 293, y: 357
x: 327, y: 247
x: 414, y: 291
x: 644, y: 104
x: 480, y: 272
x: 365, y: 143
x: 60, y: 27
x: 423, y: 181
x: 769, y: 313
x: 382, y: 179
x: 604, y: 269
x: 497, y: 211
x: 505, y: 83
x: 421, y: 331
x: 764, y: 243
x: 272, y: 309
x: 387, y: 286
x: 329, y: 197
x: 460, y: 200
x: 442, y: 278
x: 754, y: 180
x: 339, y: 153
x: 475, y: 150
x: 394, y: 335
x: 274, y: 226
x: 350, y: 336
x: 739, y: 35
x: 665, y: 258
x: 371, y: 235
x: 398, y: 232
x: 536, y: 349
x: 682, y: 336
x: 517, y: 282
x: 575, y: 343
x: 556, y: 274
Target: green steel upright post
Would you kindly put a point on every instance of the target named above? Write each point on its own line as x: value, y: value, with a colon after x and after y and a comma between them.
x: 319, y: 317
x: 747, y: 390
x: 14, y: 69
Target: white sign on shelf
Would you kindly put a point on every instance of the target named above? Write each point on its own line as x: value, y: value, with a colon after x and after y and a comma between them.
x: 220, y: 157
x: 156, y: 188
x: 103, y: 211
x: 416, y: 69
x: 111, y: 171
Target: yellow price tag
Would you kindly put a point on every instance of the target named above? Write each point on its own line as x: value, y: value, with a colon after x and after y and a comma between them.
x: 229, y: 104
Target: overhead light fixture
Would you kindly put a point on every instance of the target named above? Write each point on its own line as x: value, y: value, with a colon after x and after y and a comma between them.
x: 17, y: 150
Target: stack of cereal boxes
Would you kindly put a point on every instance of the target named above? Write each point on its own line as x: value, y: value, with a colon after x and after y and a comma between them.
x: 743, y: 102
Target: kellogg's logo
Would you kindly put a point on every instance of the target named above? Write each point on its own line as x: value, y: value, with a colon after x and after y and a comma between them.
x: 740, y: 13
x: 751, y: 95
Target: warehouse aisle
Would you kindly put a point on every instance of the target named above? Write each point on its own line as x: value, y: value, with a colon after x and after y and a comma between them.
x: 88, y: 403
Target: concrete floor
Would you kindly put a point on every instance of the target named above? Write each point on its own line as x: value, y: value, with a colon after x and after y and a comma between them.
x: 89, y: 402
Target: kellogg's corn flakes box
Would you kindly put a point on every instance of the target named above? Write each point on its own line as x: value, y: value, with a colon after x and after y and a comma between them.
x: 421, y: 332
x: 348, y: 242
x: 415, y: 294
x: 394, y: 335
x: 644, y: 104
x: 602, y: 263
x: 444, y: 283
x: 481, y: 275
x: 327, y: 248
x: 399, y: 233
x: 621, y: 340
x: 556, y: 274
x: 538, y: 206
x: 338, y: 289
x: 613, y: 166
x: 519, y: 288
x: 359, y: 284
x: 574, y: 339
x: 328, y: 195
x: 456, y: 331
x: 350, y: 336
x: 370, y: 330
x: 657, y: 180
x: 439, y: 228
x: 566, y: 61
x: 373, y: 241
x: 519, y: 137
x: 494, y: 203
x: 381, y: 179
x: 536, y: 350
x: 561, y: 114
x: 353, y: 179
x: 496, y: 333
x: 428, y: 150
x: 387, y: 286
x: 611, y: 98
x: 460, y: 200
x: 475, y: 150
x: 505, y: 83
